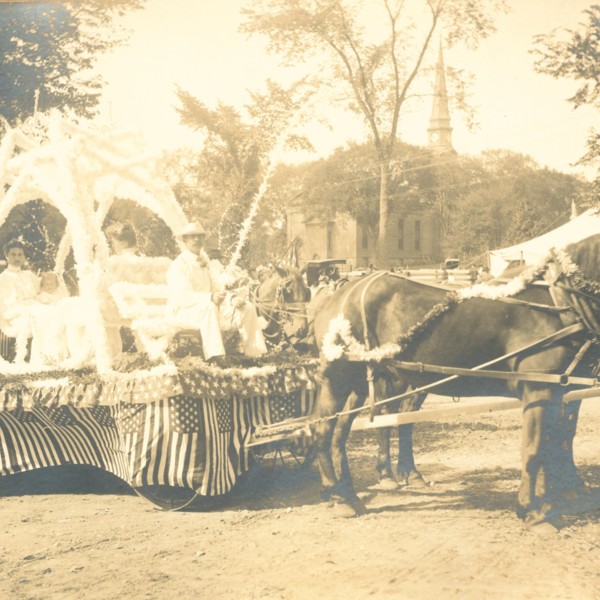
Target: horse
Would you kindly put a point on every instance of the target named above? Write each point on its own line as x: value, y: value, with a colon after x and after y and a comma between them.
x: 531, y: 329
x: 406, y: 469
x: 281, y: 299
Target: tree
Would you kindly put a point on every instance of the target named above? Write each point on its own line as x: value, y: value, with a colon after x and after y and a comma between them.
x: 575, y: 54
x: 231, y: 166
x: 47, y: 51
x: 39, y: 227
x: 494, y: 200
x: 379, y: 75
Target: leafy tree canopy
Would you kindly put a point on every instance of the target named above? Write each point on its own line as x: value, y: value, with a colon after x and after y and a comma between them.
x: 48, y: 49
x: 575, y: 54
x: 237, y: 147
x: 493, y: 200
x: 373, y: 70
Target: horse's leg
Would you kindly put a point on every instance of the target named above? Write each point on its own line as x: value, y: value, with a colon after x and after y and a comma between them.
x: 323, y: 433
x: 387, y: 481
x: 406, y: 467
x: 569, y: 418
x: 541, y: 416
x: 564, y: 483
x: 345, y: 487
x: 332, y: 397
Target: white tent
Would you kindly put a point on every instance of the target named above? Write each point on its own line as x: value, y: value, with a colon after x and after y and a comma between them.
x: 534, y: 251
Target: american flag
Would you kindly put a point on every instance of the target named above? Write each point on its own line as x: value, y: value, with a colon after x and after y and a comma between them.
x: 45, y: 437
x: 226, y: 429
x: 182, y: 441
x: 186, y: 442
x: 161, y: 441
x: 267, y: 410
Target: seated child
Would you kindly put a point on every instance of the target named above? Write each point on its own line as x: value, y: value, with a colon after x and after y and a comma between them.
x: 49, y: 346
x: 51, y: 291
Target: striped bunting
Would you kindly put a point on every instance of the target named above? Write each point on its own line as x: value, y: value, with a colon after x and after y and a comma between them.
x: 264, y: 411
x: 46, y: 437
x: 185, y: 442
x: 180, y: 441
x: 226, y: 429
x: 161, y: 440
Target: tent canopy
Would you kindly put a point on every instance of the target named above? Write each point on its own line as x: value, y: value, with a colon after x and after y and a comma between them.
x: 534, y: 251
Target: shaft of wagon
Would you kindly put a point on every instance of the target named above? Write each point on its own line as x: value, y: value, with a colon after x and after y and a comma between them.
x: 558, y: 335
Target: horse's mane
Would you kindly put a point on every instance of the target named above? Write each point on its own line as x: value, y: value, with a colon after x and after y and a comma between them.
x: 586, y: 255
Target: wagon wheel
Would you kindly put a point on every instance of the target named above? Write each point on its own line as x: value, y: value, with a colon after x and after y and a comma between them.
x: 286, y: 452
x: 167, y: 497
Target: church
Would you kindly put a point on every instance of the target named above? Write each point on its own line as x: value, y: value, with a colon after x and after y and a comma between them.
x: 414, y: 238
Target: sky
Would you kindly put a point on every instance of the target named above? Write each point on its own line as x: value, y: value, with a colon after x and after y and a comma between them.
x: 196, y: 45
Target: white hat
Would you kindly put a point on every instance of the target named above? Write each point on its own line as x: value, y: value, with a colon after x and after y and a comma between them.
x: 192, y: 229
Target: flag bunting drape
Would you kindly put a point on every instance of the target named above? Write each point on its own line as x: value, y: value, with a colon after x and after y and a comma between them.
x: 177, y: 428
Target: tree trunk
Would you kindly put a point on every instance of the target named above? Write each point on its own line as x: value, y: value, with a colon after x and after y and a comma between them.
x: 382, y: 259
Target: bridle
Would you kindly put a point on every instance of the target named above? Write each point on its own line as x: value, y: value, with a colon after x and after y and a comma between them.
x: 278, y: 310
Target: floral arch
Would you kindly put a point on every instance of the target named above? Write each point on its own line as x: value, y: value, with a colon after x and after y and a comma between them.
x: 81, y: 171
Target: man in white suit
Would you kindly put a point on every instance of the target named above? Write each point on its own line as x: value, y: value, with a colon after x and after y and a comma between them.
x: 197, y: 299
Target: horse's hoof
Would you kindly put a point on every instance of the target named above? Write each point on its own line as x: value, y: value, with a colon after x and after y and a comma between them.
x: 543, y: 520
x: 325, y: 495
x: 347, y: 508
x: 414, y: 480
x: 343, y: 510
x: 543, y: 529
x: 387, y: 484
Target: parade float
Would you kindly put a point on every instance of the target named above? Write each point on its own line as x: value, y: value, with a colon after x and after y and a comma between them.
x: 156, y: 422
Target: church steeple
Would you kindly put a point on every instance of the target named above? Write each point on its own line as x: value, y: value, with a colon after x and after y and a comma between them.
x: 439, y: 130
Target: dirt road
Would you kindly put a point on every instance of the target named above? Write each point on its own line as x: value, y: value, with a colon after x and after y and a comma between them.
x: 78, y: 533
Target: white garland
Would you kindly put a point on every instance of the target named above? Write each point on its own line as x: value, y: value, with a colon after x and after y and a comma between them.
x: 494, y: 292
x: 567, y: 266
x: 247, y: 224
x: 339, y: 341
x: 73, y: 167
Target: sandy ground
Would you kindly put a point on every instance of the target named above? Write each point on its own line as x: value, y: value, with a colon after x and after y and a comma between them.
x: 79, y: 533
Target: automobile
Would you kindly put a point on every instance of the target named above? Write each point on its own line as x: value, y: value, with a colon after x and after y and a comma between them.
x: 451, y: 263
x: 327, y: 267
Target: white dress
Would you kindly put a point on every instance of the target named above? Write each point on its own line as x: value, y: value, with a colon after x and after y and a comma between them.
x: 18, y: 289
x: 48, y: 326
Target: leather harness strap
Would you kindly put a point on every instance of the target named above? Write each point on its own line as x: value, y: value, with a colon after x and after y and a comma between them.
x: 575, y: 314
x: 363, y: 314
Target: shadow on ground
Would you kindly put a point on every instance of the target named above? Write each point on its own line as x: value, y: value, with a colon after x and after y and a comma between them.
x: 66, y: 479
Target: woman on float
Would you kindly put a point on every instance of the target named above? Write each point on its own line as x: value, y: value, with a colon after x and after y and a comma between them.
x: 18, y: 288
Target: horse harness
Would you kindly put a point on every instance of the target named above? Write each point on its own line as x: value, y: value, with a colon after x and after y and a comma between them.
x: 278, y: 311
x: 573, y: 306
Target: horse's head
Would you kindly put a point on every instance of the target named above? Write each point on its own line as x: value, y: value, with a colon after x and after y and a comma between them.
x: 281, y: 298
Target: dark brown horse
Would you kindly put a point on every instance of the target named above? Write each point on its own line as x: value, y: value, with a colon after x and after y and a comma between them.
x: 433, y: 329
x: 281, y: 299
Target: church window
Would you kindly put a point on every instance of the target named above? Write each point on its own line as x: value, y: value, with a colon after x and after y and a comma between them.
x: 417, y: 235
x: 400, y: 234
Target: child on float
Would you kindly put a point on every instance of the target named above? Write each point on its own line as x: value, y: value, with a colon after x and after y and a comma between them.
x: 48, y: 322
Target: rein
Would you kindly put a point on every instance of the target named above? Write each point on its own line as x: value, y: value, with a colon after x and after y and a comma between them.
x: 277, y: 310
